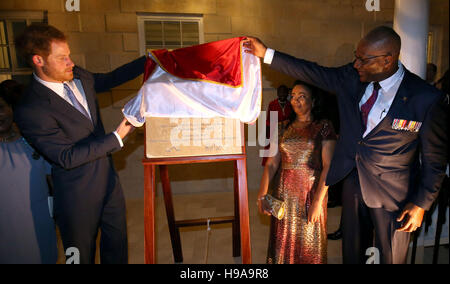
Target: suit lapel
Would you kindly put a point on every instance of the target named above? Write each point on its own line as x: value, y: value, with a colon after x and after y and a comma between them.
x: 60, y: 105
x: 401, y: 100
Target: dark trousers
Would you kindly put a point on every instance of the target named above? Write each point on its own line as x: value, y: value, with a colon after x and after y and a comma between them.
x: 79, y: 224
x: 364, y: 228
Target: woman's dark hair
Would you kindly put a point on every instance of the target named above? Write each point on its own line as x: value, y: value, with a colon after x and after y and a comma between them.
x: 316, y: 111
x: 11, y: 91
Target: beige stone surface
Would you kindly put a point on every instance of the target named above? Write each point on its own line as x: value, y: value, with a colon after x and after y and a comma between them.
x: 66, y: 22
x: 104, y: 36
x: 78, y: 59
x: 83, y: 42
x: 121, y: 22
x: 97, y: 62
x: 32, y: 5
x: 229, y: 8
x: 130, y: 42
x: 217, y: 24
x: 99, y: 6
x: 92, y: 22
x: 169, y: 6
x: 118, y: 59
x: 110, y: 42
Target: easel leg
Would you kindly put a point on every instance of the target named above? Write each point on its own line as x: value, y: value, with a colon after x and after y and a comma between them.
x: 174, y: 231
x: 243, y: 211
x: 149, y: 213
x: 236, y: 227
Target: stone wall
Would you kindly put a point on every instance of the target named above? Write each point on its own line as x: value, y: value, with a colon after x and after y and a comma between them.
x: 104, y: 35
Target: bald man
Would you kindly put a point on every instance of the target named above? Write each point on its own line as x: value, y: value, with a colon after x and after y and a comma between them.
x: 391, y: 153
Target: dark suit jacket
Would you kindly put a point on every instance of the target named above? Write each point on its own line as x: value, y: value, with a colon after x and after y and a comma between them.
x: 387, y: 160
x: 78, y: 149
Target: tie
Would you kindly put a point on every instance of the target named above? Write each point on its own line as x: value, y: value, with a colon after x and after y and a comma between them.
x: 75, y: 103
x: 367, y: 106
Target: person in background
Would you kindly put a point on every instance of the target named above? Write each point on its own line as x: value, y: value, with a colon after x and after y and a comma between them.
x: 282, y: 106
x: 306, y: 145
x: 27, y: 230
x: 443, y: 82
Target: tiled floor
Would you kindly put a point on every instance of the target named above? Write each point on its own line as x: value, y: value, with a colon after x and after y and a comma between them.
x: 194, y: 244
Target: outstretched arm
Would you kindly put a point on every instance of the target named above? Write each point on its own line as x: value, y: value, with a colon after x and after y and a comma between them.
x: 125, y: 73
x: 334, y: 80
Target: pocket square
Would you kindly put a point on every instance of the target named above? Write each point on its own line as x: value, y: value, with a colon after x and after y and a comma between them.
x: 406, y: 125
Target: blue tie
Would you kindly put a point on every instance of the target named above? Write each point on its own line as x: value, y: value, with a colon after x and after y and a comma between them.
x: 75, y: 103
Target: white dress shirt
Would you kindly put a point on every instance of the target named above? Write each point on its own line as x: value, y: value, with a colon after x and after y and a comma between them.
x: 386, y: 94
x: 77, y: 88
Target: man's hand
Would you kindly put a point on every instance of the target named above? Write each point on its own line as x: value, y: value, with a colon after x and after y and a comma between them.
x: 255, y: 46
x: 124, y: 128
x: 415, y: 217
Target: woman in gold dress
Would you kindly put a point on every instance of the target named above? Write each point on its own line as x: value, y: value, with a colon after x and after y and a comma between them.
x: 306, y: 145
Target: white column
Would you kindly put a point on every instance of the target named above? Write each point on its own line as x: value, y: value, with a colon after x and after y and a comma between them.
x: 411, y: 23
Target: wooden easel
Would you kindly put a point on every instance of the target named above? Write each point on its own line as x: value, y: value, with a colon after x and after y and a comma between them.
x: 240, y: 220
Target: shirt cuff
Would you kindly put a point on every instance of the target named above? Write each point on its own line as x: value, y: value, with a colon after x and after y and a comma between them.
x: 118, y: 138
x: 269, y: 56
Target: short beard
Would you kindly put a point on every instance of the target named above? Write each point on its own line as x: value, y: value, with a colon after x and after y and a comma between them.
x: 56, y: 78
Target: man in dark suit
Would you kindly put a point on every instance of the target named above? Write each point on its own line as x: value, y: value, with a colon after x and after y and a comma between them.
x: 60, y: 117
x: 391, y: 153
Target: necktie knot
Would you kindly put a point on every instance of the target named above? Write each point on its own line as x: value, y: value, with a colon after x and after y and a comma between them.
x: 376, y: 86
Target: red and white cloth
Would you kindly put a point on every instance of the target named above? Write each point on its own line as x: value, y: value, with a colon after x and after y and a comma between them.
x: 216, y: 79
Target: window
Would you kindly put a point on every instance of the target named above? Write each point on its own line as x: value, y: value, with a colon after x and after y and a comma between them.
x: 169, y: 32
x: 12, y: 24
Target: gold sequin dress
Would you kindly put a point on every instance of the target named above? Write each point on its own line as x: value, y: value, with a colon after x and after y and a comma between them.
x: 292, y: 239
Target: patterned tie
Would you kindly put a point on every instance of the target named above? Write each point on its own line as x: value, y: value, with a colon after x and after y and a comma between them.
x: 367, y: 106
x: 75, y: 103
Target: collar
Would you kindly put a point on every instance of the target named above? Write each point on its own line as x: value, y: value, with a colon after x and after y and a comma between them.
x: 388, y: 83
x: 55, y: 87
